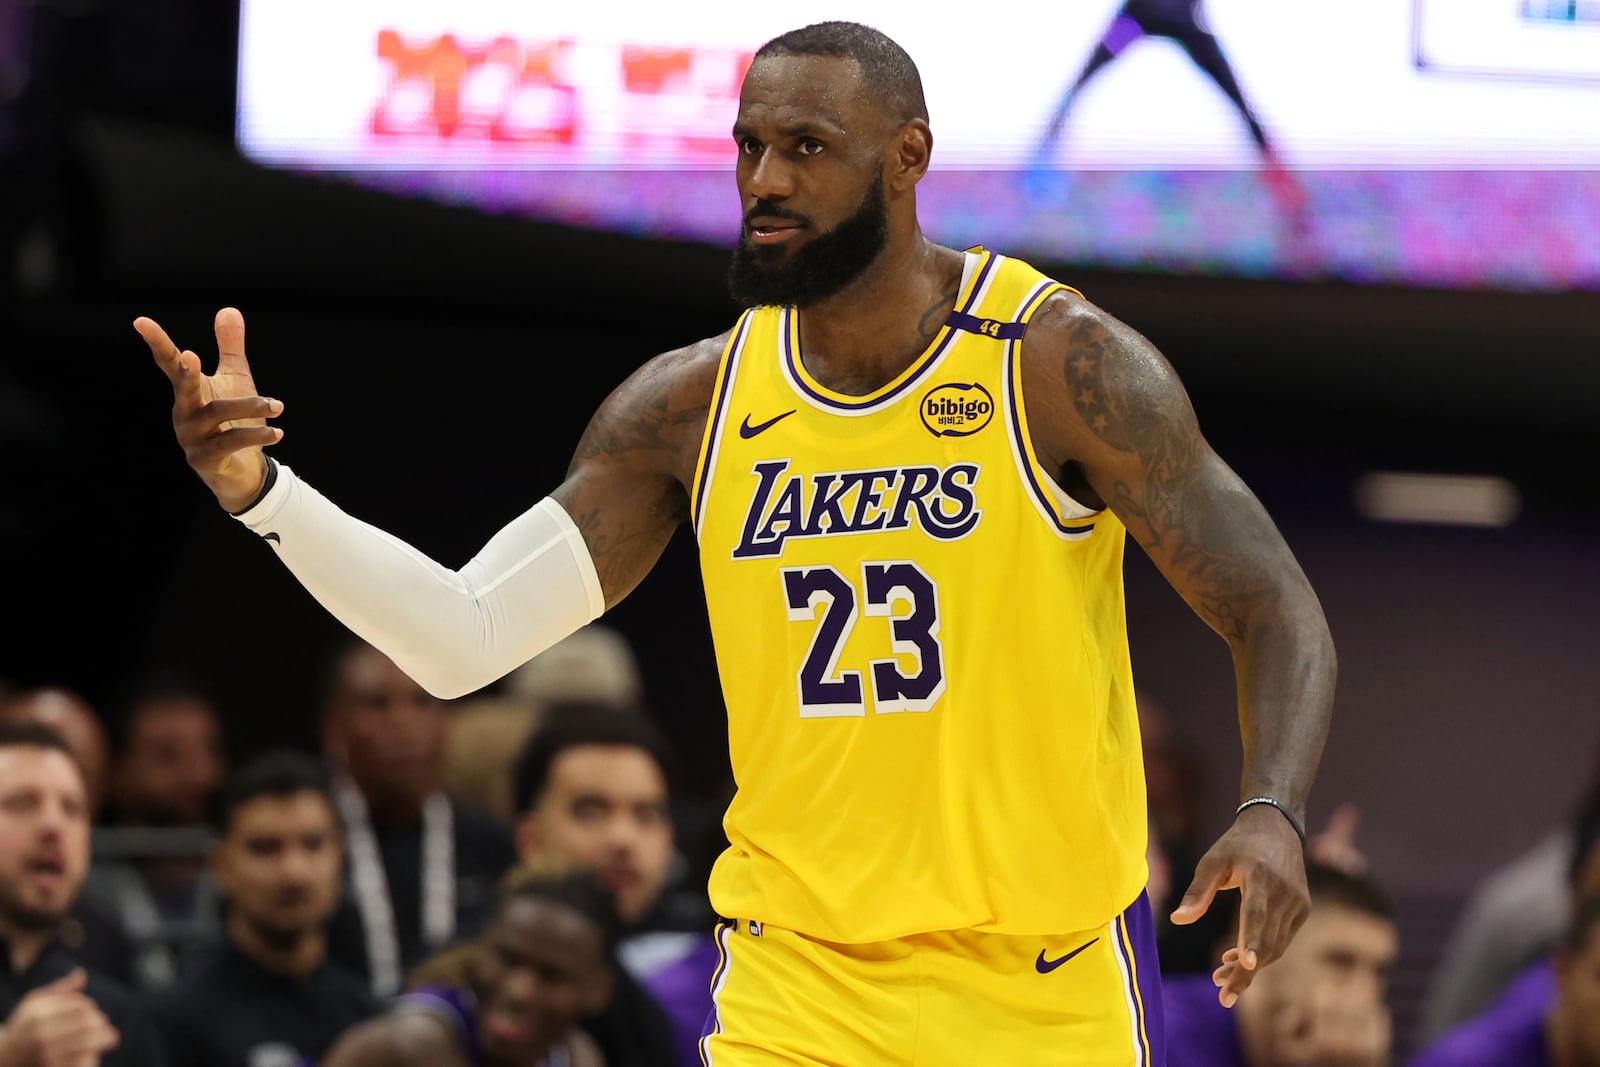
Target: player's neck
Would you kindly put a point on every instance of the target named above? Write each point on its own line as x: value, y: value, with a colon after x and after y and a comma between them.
x: 24, y: 944
x: 864, y: 336
x: 297, y: 957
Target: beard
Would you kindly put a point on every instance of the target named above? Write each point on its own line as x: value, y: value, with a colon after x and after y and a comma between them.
x: 818, y: 269
x: 19, y: 915
x: 277, y: 935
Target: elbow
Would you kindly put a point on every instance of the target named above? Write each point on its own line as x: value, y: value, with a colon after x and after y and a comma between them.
x: 443, y: 672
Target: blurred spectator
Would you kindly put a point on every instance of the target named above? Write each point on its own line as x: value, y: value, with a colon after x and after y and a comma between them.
x: 93, y: 932
x: 169, y: 762
x: 1530, y: 999
x: 1565, y: 1033
x: 1513, y: 918
x: 485, y: 735
x: 595, y: 663
x: 592, y: 786
x: 545, y: 962
x: 422, y: 870
x: 71, y: 717
x: 54, y: 1011
x: 1321, y: 1005
x: 270, y: 995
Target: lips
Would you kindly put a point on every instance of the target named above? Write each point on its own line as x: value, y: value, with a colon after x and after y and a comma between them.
x: 50, y: 870
x: 507, y: 1029
x: 772, y: 229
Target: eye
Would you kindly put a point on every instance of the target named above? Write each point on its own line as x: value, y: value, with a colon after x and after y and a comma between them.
x: 749, y: 146
x: 810, y: 146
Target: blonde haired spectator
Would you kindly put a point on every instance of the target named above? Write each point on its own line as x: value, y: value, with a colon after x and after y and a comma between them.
x: 595, y: 664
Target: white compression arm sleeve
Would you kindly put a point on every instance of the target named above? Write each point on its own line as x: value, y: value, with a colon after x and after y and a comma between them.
x: 453, y: 631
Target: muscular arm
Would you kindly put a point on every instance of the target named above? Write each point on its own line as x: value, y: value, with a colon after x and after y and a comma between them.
x: 1114, y: 408
x: 629, y: 482
x: 548, y: 572
x: 1109, y: 411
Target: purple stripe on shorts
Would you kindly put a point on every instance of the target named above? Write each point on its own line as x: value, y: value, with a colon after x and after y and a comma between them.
x: 1141, y: 930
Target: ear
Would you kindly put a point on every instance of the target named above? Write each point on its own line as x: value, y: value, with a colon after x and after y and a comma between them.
x: 908, y: 157
x: 529, y: 836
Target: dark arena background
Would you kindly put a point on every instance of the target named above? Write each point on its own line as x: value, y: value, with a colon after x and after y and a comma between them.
x: 1421, y: 419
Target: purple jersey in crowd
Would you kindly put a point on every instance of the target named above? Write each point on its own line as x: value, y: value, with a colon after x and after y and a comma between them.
x: 1200, y: 1031
x: 1509, y: 1034
x: 677, y: 970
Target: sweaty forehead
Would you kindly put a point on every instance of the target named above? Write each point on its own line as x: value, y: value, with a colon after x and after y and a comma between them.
x: 801, y: 89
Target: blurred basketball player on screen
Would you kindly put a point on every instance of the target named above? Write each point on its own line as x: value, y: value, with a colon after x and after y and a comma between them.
x: 1182, y: 22
x: 911, y: 471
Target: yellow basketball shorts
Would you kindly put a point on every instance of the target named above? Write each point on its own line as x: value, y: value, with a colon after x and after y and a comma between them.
x: 953, y: 999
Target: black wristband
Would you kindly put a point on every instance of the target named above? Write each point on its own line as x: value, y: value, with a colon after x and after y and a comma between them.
x: 1298, y: 832
x: 266, y: 486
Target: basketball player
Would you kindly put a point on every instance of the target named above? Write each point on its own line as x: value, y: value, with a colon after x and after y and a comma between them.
x: 1182, y: 22
x: 911, y: 471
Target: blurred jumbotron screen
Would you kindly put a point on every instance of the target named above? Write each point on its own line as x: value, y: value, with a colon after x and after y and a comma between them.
x: 1437, y: 143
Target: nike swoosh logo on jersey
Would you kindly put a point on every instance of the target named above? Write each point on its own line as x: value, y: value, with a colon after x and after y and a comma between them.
x: 274, y: 538
x: 747, y: 431
x: 1044, y: 966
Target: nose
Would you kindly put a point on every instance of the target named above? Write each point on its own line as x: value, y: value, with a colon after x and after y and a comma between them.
x: 520, y: 988
x: 770, y: 177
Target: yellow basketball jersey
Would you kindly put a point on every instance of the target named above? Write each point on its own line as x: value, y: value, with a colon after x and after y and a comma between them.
x: 921, y: 641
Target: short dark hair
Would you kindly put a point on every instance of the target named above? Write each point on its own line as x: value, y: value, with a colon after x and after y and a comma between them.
x: 580, y: 891
x: 153, y: 686
x: 276, y: 773
x: 886, y: 68
x: 34, y: 735
x: 1358, y: 892
x: 578, y: 724
x: 1585, y: 919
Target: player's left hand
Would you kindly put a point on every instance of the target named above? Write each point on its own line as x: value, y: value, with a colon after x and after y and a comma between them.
x: 1261, y: 856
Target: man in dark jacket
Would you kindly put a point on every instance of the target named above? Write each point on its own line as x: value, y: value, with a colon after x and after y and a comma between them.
x: 54, y: 1011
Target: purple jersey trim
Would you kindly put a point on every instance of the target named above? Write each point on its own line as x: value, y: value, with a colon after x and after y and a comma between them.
x: 1014, y: 403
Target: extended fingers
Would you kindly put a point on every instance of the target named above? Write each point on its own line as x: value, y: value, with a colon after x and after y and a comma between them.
x: 221, y: 445
x: 196, y: 425
x: 1274, y: 904
x: 229, y: 328
x: 161, y: 346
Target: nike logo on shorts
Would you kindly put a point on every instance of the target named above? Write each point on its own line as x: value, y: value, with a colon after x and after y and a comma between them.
x: 1044, y: 966
x: 747, y: 431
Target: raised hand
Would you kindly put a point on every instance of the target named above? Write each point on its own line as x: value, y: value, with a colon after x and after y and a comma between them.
x: 57, y: 1025
x: 219, y: 419
x: 1336, y: 845
x: 1261, y: 856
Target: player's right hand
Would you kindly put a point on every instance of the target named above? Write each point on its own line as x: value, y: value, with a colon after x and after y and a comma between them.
x: 219, y: 419
x: 57, y: 1025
